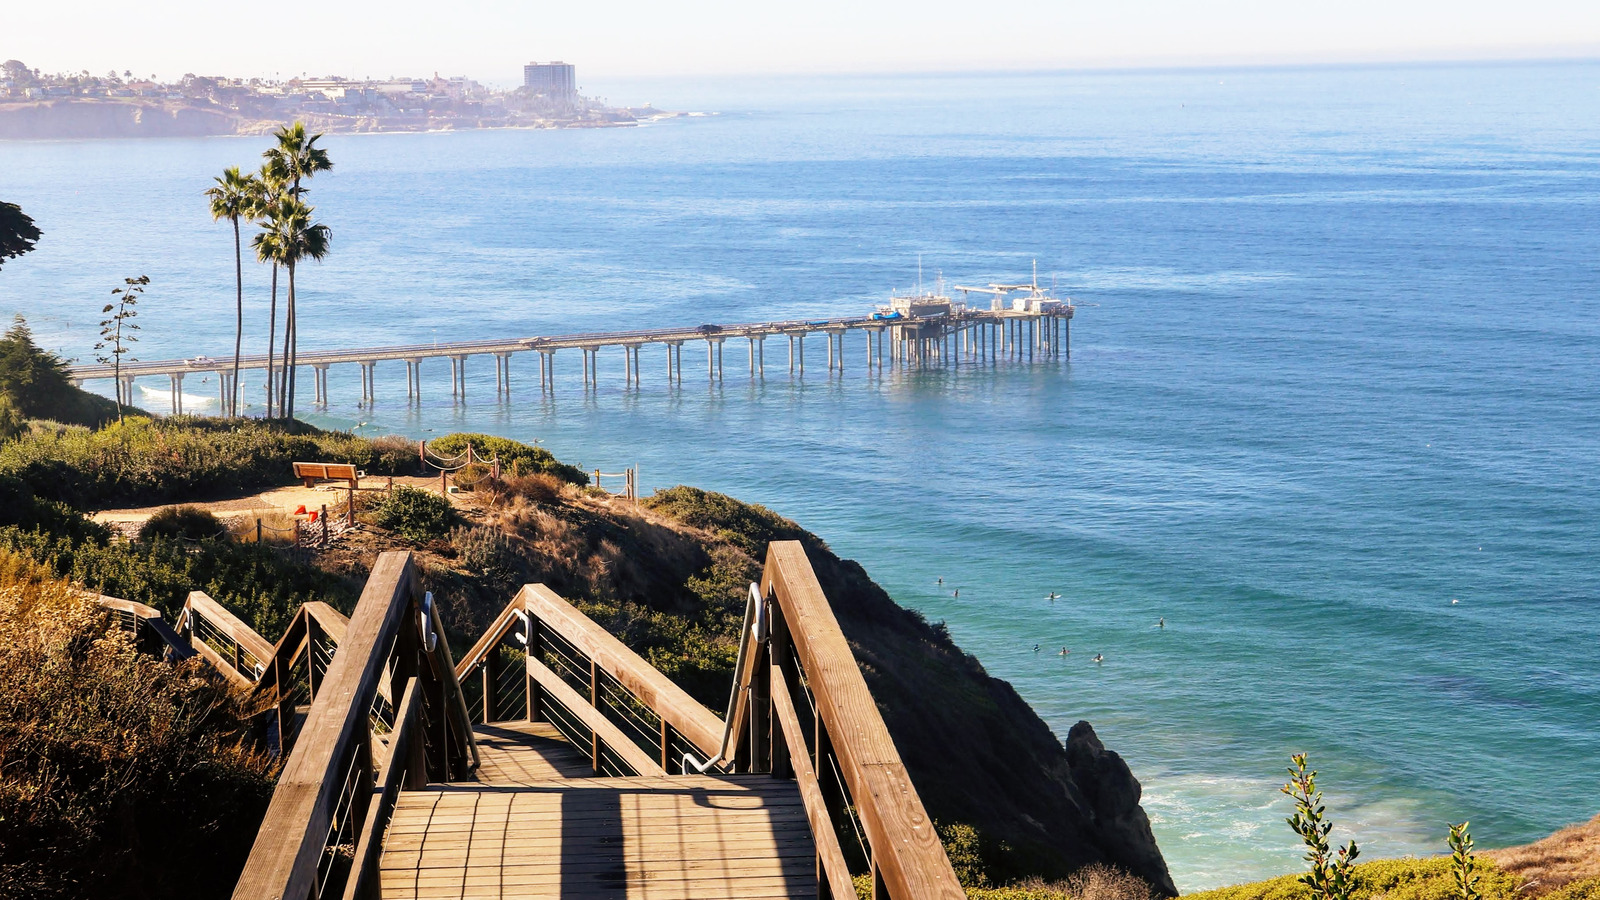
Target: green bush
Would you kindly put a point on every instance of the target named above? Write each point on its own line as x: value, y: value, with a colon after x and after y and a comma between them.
x: 748, y: 526
x: 187, y: 522
x: 516, y: 458
x: 257, y: 583
x: 418, y: 516
x: 147, y: 461
x: 1391, y: 879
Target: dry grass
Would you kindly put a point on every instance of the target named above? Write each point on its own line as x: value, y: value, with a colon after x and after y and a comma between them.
x: 536, y: 488
x: 277, y: 527
x: 120, y: 776
x: 1571, y: 854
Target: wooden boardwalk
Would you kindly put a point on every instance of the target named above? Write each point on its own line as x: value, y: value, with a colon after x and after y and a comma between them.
x: 536, y: 824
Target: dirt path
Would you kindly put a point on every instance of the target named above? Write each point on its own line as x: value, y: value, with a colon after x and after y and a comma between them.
x: 274, y: 501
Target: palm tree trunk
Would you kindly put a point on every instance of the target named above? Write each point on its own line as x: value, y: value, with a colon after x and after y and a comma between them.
x: 285, y: 409
x: 238, y: 318
x: 272, y: 334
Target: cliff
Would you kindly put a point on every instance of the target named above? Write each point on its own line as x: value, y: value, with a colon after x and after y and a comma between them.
x: 81, y: 119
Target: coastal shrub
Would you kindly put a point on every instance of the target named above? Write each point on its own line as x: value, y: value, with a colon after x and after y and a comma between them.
x: 487, y: 554
x: 537, y: 488
x: 418, y: 516
x: 120, y: 776
x: 185, y: 522
x: 147, y: 461
x: 516, y: 458
x: 1389, y: 879
x: 393, y: 454
x: 748, y: 526
x: 256, y: 582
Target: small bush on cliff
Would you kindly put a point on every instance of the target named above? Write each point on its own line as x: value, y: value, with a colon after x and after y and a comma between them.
x: 182, y: 522
x: 120, y: 776
x: 745, y: 525
x: 419, y: 516
x: 516, y: 458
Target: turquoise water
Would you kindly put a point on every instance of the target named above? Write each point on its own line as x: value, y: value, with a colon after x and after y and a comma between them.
x: 1335, y: 369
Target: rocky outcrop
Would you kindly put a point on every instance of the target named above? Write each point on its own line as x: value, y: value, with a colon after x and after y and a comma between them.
x: 1112, y: 795
x: 84, y: 119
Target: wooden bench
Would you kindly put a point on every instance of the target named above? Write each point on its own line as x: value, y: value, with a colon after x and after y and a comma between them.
x: 311, y: 473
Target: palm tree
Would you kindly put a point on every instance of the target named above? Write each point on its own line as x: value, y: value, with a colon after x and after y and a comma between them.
x: 290, y: 237
x: 298, y: 157
x: 270, y: 185
x: 233, y: 198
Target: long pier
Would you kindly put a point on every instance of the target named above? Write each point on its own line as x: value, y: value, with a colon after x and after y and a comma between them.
x: 948, y: 336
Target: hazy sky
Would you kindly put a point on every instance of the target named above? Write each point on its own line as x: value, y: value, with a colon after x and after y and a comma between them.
x: 490, y: 39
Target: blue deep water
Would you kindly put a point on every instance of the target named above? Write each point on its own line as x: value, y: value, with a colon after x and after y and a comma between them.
x: 1332, y: 409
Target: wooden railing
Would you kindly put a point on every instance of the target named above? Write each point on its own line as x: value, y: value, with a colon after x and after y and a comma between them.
x: 801, y: 709
x: 323, y: 828
x: 231, y: 646
x: 542, y: 659
x: 150, y: 633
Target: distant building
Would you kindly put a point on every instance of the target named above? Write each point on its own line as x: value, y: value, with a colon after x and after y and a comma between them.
x: 555, y: 80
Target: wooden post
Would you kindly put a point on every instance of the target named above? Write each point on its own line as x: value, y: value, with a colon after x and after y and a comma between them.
x: 664, y: 762
x: 350, y: 513
x: 324, y: 525
x: 490, y: 713
x: 258, y: 529
x: 594, y: 701
x: 531, y: 650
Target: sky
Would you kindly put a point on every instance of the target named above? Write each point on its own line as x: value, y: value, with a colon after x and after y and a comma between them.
x: 489, y: 40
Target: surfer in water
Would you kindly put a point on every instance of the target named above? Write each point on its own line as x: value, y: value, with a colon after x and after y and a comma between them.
x: 1099, y: 658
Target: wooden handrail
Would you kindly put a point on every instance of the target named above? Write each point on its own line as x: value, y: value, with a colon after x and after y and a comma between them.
x: 906, y: 852
x: 336, y: 740
x: 243, y: 636
x: 698, y: 725
x: 148, y: 617
x: 835, y: 871
x: 401, y: 762
x: 602, y: 729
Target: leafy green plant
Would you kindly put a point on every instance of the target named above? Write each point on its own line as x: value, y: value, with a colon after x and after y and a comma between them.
x: 419, y: 516
x: 1464, y: 862
x: 1329, y: 878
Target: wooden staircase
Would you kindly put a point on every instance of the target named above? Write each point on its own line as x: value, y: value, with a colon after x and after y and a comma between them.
x: 553, y: 762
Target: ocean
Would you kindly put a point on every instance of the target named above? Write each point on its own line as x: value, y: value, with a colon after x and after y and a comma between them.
x: 1332, y: 409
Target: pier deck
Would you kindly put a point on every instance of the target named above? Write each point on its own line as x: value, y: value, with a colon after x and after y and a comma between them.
x: 963, y: 334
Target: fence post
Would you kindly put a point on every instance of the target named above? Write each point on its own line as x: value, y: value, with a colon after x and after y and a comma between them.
x: 258, y: 529
x: 350, y: 511
x: 497, y: 467
x: 297, y: 532
x: 324, y: 525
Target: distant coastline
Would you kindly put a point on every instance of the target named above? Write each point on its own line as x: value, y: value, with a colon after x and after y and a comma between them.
x: 93, y: 118
x: 35, y: 105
